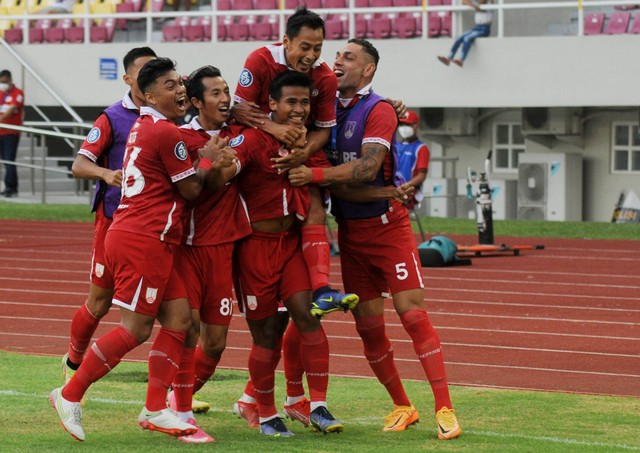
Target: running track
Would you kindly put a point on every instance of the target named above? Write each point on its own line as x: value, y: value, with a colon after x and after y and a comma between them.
x: 566, y: 318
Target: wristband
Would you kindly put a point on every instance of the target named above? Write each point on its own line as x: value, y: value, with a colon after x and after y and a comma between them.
x: 317, y: 175
x: 205, y: 163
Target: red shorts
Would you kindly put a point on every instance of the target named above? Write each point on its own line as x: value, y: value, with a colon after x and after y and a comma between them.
x: 143, y: 272
x: 206, y: 275
x: 378, y: 257
x: 100, y: 274
x: 319, y: 159
x: 270, y: 268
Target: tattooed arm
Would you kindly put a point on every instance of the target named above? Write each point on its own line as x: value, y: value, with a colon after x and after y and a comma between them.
x: 363, y: 169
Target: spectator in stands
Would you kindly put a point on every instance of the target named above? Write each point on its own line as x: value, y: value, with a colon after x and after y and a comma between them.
x: 413, y: 155
x: 482, y: 29
x: 11, y: 105
x: 58, y: 7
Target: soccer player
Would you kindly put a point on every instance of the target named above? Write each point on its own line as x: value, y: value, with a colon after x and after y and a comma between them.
x: 377, y: 248
x: 158, y: 178
x: 100, y: 158
x: 214, y: 221
x: 276, y: 210
x: 299, y: 51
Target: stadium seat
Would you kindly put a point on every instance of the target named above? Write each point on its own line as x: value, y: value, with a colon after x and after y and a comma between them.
x: 379, y: 27
x: 405, y: 27
x: 618, y: 23
x: 13, y: 35
x: 124, y: 7
x: 435, y: 25
x: 243, y: 5
x: 193, y: 32
x: 224, y: 24
x: 445, y: 23
x: 413, y: 2
x: 238, y: 31
x: 74, y: 35
x: 171, y: 33
x: 267, y: 4
x: 156, y: 5
x: 36, y: 35
x: 593, y: 23
x: 311, y: 4
x: 626, y: 7
x: 635, y: 26
x: 98, y: 33
x: 334, y: 28
x: 334, y: 3
x: 223, y: 5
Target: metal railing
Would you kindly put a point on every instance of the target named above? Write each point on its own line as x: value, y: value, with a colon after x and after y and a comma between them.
x: 500, y: 7
x: 39, y: 163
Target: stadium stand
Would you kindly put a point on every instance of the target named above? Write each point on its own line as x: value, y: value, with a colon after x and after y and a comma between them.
x: 635, y: 26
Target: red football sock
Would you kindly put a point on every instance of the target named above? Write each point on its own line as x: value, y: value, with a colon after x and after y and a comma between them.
x: 317, y: 254
x: 314, y: 354
x: 379, y: 353
x: 263, y: 379
x: 205, y: 366
x: 277, y: 353
x: 102, y: 357
x: 164, y: 359
x: 83, y: 326
x: 293, y: 369
x: 426, y: 343
x: 183, y: 381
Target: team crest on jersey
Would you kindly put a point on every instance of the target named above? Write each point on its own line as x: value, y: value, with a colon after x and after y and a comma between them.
x: 99, y: 270
x: 93, y: 135
x: 181, y: 151
x: 314, y: 93
x: 349, y: 129
x: 252, y: 302
x: 236, y: 141
x: 132, y: 137
x: 246, y: 78
x: 151, y: 295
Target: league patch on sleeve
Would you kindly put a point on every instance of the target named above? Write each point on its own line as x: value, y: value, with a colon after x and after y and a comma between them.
x: 93, y: 135
x: 180, y: 151
x: 236, y: 141
x: 246, y: 78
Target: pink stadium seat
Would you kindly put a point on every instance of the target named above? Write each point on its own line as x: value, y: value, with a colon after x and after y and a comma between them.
x: 13, y: 35
x: 593, y: 23
x: 635, y: 26
x: 267, y: 4
x: 379, y: 28
x: 182, y: 21
x: 626, y: 7
x: 98, y: 33
x: 171, y: 33
x: 224, y: 24
x: 54, y: 35
x: 36, y: 35
x: 380, y: 3
x: 334, y: 3
x: 435, y: 24
x: 238, y: 32
x: 242, y: 5
x: 193, y: 32
x: 413, y: 2
x: 445, y: 23
x: 618, y: 23
x: 74, y: 34
x: 405, y: 27
x: 224, y: 5
x: 156, y: 6
x: 334, y: 28
x: 311, y: 4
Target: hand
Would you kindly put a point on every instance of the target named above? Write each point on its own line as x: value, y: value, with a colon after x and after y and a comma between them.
x: 114, y: 178
x: 289, y: 135
x: 403, y: 193
x: 399, y: 107
x: 226, y: 158
x: 249, y: 114
x: 300, y: 176
x: 295, y: 158
x: 213, y: 147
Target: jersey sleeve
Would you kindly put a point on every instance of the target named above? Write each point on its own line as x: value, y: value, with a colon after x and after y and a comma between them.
x: 173, y: 152
x: 422, y: 158
x: 252, y: 79
x: 325, y: 115
x: 98, y: 140
x: 381, y: 125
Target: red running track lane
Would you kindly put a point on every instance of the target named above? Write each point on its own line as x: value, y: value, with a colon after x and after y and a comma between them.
x: 566, y: 318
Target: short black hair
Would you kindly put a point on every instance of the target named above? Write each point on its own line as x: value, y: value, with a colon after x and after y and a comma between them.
x: 368, y: 48
x: 288, y: 79
x: 6, y: 73
x: 195, y: 87
x: 153, y: 70
x: 303, y: 18
x: 136, y: 53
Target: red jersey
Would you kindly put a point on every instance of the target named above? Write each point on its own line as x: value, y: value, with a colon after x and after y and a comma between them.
x: 268, y: 195
x: 9, y: 99
x: 265, y: 63
x: 213, y: 218
x: 155, y: 159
